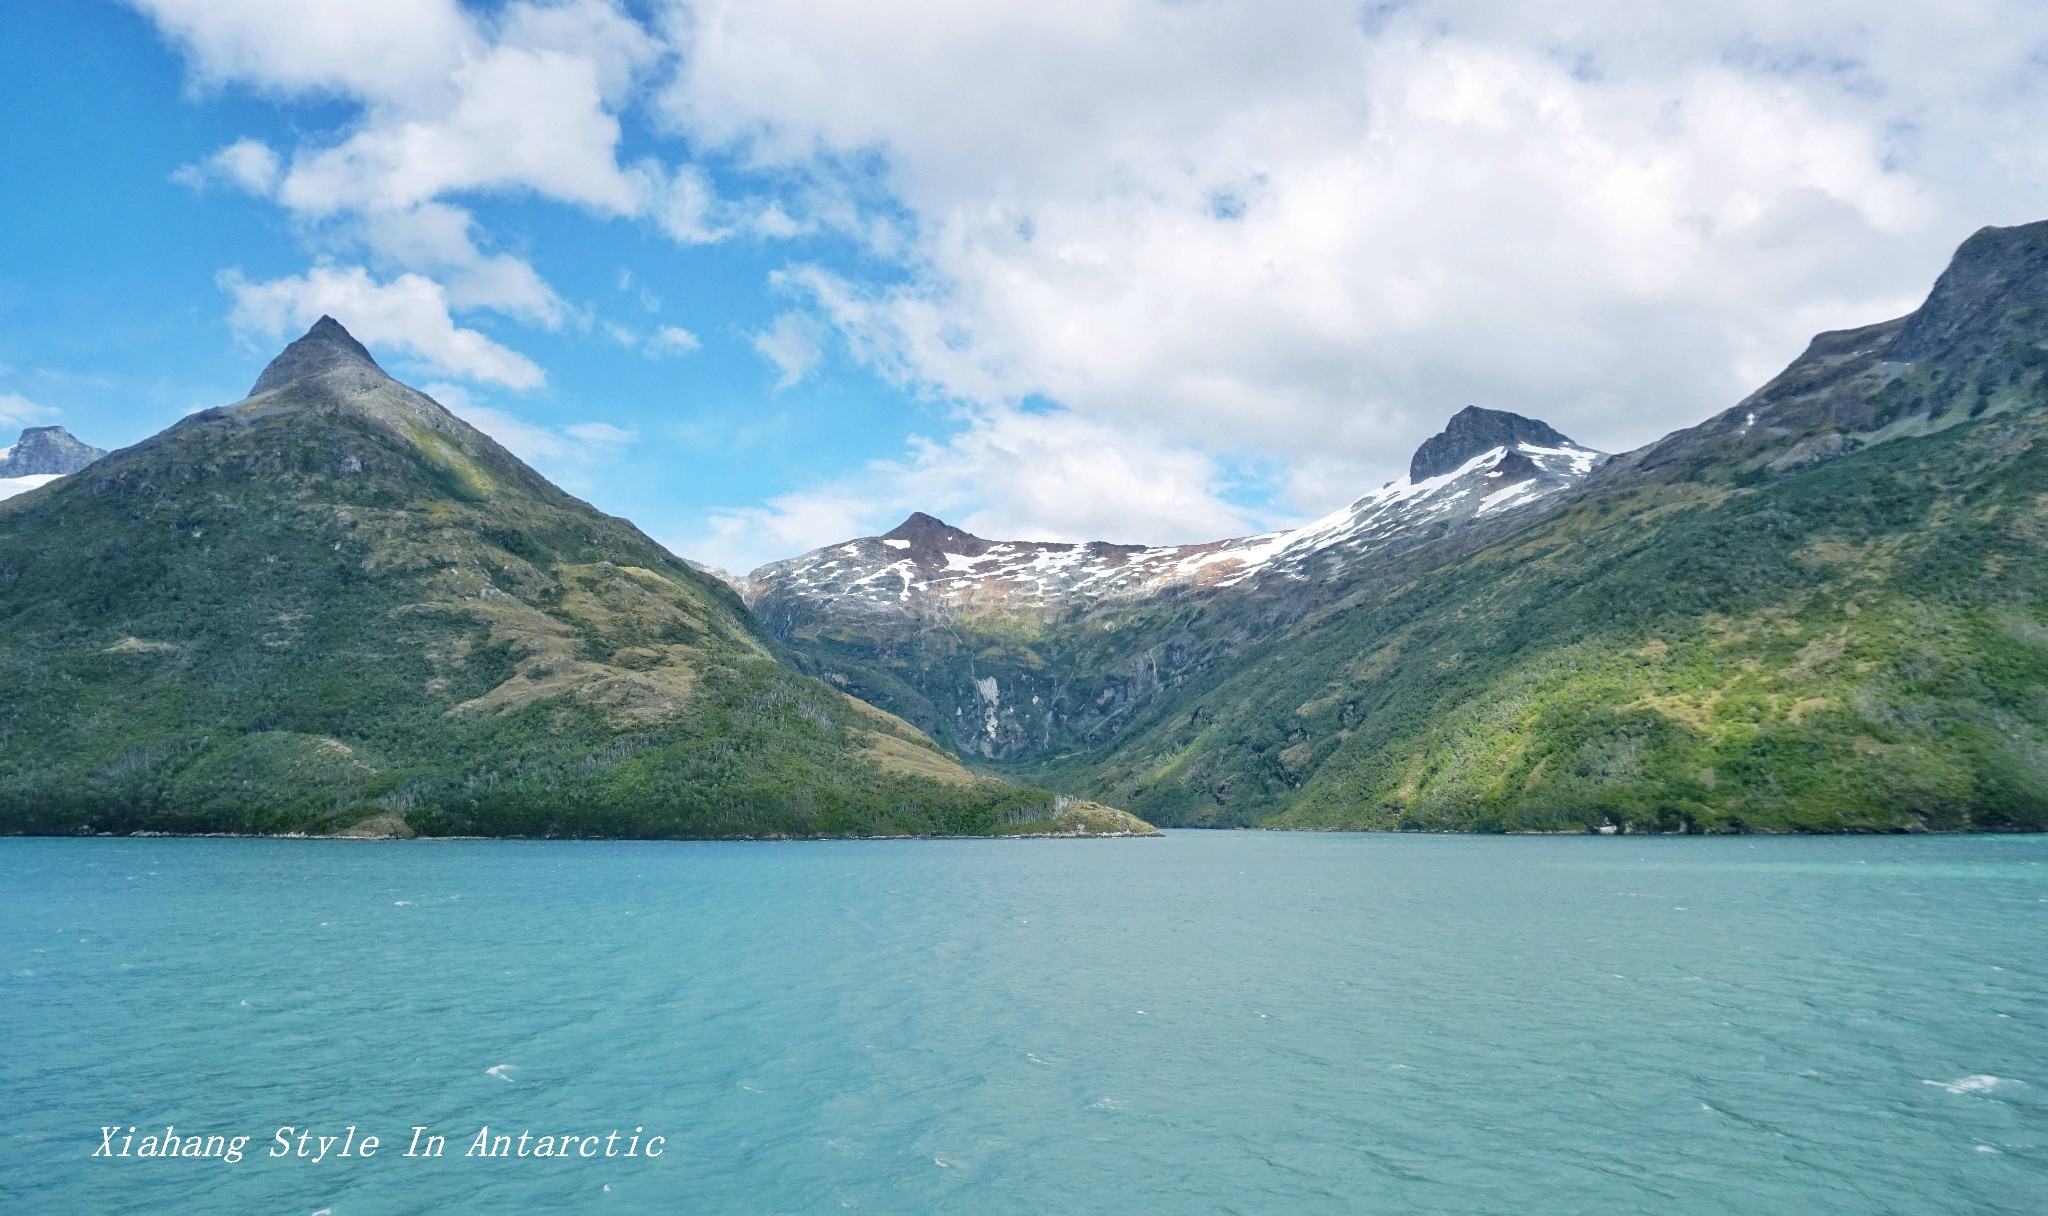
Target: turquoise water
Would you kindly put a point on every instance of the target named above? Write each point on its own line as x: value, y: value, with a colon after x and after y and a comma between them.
x: 1215, y: 1022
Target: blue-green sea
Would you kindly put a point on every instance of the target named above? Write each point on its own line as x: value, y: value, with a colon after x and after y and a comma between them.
x: 1213, y: 1022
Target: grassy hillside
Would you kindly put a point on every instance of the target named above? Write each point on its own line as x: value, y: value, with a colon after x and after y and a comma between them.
x: 336, y: 606
x: 1863, y: 646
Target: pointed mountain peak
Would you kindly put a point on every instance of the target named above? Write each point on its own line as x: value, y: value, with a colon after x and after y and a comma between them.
x: 927, y: 532
x: 326, y: 346
x: 1473, y: 430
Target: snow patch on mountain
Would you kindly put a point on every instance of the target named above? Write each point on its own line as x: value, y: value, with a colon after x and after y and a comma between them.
x: 926, y: 564
x: 10, y: 486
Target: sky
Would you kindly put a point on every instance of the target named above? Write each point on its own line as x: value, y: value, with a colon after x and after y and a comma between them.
x: 761, y: 275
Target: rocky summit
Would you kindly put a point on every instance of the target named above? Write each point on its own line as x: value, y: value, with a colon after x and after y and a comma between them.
x: 334, y: 607
x: 46, y: 450
x: 1473, y: 430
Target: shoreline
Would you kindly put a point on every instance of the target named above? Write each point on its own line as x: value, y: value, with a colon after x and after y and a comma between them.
x: 1153, y: 835
x: 362, y: 839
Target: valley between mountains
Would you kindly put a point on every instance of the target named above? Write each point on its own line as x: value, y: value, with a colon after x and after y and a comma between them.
x: 334, y: 607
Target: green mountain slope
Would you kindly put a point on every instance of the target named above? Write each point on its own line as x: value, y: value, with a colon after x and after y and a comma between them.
x: 1826, y: 609
x: 335, y: 606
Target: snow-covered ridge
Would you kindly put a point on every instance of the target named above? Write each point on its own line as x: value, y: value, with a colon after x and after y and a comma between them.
x: 926, y: 565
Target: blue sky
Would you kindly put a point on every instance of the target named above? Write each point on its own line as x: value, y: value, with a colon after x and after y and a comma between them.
x: 765, y: 275
x: 112, y: 319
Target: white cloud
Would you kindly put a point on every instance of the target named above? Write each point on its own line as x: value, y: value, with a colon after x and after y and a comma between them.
x: 1306, y: 234
x: 247, y: 164
x: 792, y: 345
x: 408, y: 314
x: 649, y: 302
x: 539, y: 443
x: 439, y: 239
x: 519, y: 118
x: 688, y: 208
x: 1296, y: 234
x: 450, y: 102
x: 598, y: 435
x: 663, y: 342
x: 568, y: 452
x: 17, y: 410
x: 381, y: 48
x: 672, y: 340
x: 1009, y: 474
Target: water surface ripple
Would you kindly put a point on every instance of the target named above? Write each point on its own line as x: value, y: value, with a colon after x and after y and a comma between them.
x: 1216, y: 1022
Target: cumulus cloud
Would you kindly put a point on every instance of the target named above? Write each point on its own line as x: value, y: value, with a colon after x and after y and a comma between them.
x: 1307, y: 234
x: 383, y: 48
x: 1294, y: 235
x: 409, y: 314
x: 450, y: 102
x: 518, y: 118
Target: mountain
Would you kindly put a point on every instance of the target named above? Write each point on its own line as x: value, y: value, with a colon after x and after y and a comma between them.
x: 1824, y: 609
x: 1016, y: 650
x: 926, y: 566
x: 336, y: 607
x: 40, y: 456
x: 44, y: 450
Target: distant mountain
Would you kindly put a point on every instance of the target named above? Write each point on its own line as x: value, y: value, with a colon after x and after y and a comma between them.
x: 1824, y: 609
x: 335, y: 607
x: 46, y: 449
x: 40, y: 456
x: 1013, y: 650
x: 925, y: 565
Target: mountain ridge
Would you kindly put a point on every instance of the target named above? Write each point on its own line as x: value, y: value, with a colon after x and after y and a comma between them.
x: 977, y: 641
x: 1512, y: 459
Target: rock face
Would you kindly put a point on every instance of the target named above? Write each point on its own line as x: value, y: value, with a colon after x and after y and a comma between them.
x: 1968, y: 351
x: 1473, y: 430
x: 324, y: 347
x: 336, y: 607
x: 46, y: 450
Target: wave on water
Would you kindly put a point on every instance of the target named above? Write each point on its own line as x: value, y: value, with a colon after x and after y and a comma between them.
x: 498, y: 1071
x: 1981, y: 1083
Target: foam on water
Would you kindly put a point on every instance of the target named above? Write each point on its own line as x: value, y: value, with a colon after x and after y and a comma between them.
x: 1979, y: 1084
